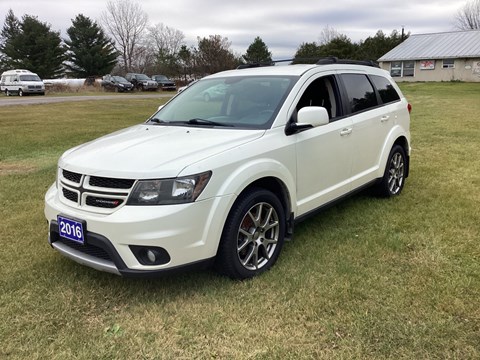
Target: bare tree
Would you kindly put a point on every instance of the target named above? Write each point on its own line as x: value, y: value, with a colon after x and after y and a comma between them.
x: 327, y: 35
x: 468, y: 17
x: 126, y: 22
x: 166, y: 40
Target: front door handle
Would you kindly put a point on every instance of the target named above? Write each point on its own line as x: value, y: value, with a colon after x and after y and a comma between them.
x: 346, y: 131
x: 384, y: 118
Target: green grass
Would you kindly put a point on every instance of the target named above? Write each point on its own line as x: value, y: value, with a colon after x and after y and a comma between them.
x: 367, y: 279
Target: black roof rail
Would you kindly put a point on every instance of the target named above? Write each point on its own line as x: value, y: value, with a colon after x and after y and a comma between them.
x: 335, y: 60
x: 323, y: 61
x: 254, y: 65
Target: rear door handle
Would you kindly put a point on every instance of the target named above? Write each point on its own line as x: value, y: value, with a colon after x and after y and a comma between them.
x: 346, y: 131
x: 384, y: 118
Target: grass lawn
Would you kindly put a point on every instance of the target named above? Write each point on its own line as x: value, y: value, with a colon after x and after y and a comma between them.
x: 367, y: 279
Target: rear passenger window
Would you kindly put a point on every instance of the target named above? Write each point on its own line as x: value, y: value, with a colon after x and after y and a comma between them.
x: 385, y: 88
x: 361, y: 95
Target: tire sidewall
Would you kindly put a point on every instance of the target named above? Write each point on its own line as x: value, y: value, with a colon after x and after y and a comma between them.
x: 228, y: 261
x: 384, y: 188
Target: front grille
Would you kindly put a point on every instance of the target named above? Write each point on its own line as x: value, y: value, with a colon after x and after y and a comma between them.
x: 111, y: 183
x: 103, y: 193
x: 103, y: 202
x: 88, y: 249
x: 74, y: 177
x: 70, y: 195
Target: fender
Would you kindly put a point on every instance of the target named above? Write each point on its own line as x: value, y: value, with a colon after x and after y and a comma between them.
x: 234, y: 184
x: 395, y: 133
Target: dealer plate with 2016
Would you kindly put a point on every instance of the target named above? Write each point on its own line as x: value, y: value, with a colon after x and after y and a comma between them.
x: 71, y: 229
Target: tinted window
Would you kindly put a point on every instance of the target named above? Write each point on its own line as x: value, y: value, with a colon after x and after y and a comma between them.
x: 321, y: 92
x: 385, y: 89
x: 361, y: 95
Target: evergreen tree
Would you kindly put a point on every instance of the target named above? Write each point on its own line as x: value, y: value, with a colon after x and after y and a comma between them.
x: 32, y: 46
x: 340, y: 47
x: 10, y: 29
x: 258, y: 52
x: 214, y: 55
x: 374, y: 47
x: 307, y: 53
x: 89, y: 51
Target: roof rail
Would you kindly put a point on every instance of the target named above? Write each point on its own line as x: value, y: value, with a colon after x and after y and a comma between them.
x: 254, y: 65
x: 335, y: 60
x: 322, y: 61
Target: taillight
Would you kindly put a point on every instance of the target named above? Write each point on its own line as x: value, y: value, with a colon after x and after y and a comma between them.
x: 409, y: 107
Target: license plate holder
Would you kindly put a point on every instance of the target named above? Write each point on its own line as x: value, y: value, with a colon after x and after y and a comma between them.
x: 72, y: 229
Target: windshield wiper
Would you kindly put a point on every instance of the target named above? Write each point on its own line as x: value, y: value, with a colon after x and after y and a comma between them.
x: 198, y: 121
x: 195, y: 121
x: 157, y: 121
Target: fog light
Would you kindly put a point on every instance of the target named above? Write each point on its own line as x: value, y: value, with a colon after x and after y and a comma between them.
x: 150, y: 255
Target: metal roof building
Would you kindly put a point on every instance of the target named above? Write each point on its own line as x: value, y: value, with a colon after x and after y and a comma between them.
x: 448, y: 56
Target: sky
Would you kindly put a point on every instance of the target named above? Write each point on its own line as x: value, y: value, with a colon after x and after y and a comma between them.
x: 283, y: 25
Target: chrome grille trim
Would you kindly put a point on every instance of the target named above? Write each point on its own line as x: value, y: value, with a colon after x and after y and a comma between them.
x: 93, y: 193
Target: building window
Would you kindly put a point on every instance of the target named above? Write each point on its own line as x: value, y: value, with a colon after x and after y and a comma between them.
x: 408, y: 68
x: 448, y: 63
x: 402, y: 68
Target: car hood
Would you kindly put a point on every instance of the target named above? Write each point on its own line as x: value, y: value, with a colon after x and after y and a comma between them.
x: 152, y: 151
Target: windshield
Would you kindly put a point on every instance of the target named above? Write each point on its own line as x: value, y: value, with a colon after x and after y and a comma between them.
x: 142, y: 77
x: 160, y: 77
x: 30, y: 78
x: 243, y: 101
x: 119, y: 79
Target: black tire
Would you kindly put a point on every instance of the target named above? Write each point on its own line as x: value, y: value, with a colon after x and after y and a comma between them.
x: 7, y: 93
x: 20, y: 92
x: 253, y: 235
x: 395, y: 173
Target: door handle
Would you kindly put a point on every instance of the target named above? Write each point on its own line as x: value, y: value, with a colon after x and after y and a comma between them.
x: 346, y: 131
x: 384, y: 118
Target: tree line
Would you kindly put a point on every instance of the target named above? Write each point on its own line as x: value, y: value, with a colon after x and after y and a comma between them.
x: 124, y: 42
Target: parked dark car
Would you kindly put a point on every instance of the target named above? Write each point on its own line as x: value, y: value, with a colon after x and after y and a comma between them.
x: 141, y: 82
x: 164, y: 83
x: 116, y: 83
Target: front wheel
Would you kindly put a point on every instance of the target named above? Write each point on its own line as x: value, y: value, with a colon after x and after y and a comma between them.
x: 395, y: 173
x: 20, y: 92
x: 253, y: 235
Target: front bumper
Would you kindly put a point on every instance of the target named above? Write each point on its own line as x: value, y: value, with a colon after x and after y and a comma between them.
x: 189, y: 233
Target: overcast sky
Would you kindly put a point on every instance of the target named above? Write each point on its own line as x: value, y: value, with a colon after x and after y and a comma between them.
x: 282, y: 24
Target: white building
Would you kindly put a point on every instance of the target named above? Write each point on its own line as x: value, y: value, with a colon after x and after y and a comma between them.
x: 447, y: 56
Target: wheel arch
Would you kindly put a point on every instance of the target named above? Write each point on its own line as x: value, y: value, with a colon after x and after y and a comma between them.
x: 277, y: 187
x: 396, y: 137
x: 403, y: 142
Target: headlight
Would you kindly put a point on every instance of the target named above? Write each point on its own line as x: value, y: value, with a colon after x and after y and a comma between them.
x: 121, y: 85
x: 169, y: 191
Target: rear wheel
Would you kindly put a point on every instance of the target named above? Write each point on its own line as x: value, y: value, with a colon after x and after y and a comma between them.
x: 395, y: 172
x: 20, y: 92
x: 253, y: 235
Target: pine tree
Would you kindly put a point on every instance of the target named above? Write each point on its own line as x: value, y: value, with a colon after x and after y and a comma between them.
x: 10, y: 29
x: 258, y: 52
x: 30, y: 44
x: 89, y: 51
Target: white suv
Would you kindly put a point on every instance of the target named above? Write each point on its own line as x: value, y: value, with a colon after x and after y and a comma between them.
x: 223, y: 182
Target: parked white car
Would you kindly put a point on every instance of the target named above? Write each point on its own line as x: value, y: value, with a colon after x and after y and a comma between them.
x: 224, y: 182
x: 21, y: 82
